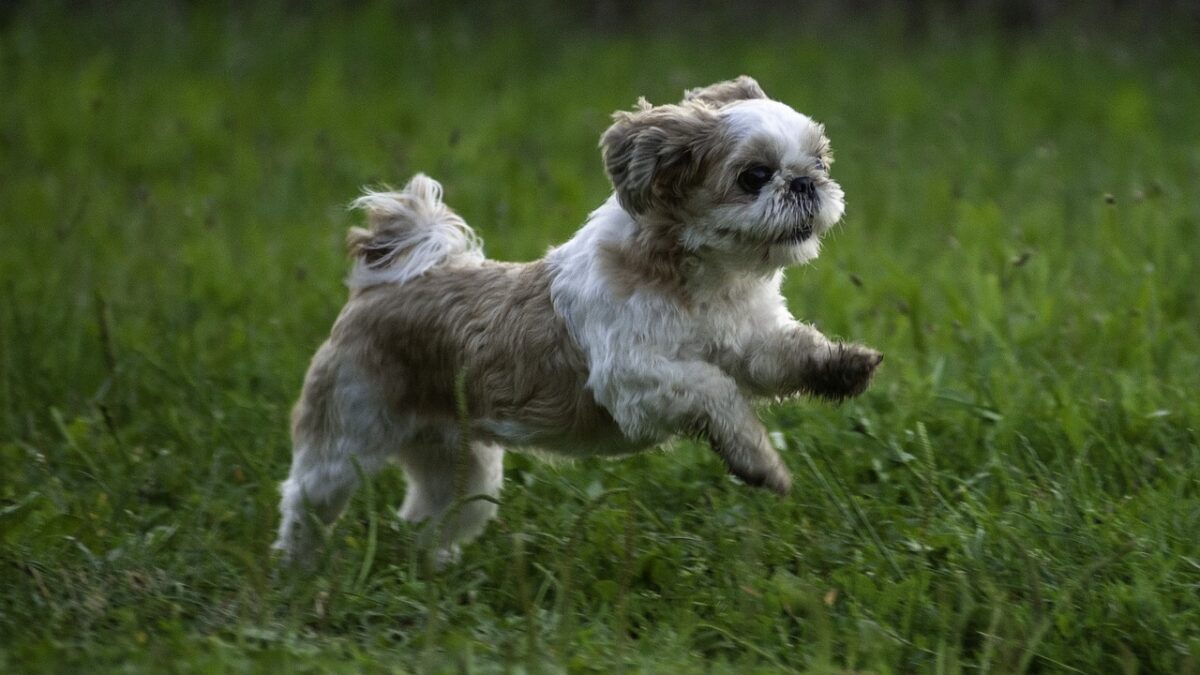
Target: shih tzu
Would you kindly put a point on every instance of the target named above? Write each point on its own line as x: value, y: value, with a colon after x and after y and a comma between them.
x: 662, y: 316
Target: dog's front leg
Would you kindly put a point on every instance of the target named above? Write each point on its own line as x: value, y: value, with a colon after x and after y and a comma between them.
x: 799, y: 359
x: 652, y: 399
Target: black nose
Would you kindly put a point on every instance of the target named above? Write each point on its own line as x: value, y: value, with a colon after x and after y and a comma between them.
x: 803, y: 185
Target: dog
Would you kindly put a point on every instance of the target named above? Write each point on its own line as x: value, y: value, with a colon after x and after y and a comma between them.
x: 662, y: 316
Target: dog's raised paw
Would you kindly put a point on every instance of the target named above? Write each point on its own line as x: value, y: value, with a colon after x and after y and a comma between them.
x: 776, y: 479
x: 779, y: 482
x: 845, y: 371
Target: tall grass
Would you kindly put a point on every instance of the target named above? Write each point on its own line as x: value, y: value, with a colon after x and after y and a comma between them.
x: 1018, y: 492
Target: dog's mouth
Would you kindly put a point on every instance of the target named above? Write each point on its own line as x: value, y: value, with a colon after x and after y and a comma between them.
x: 797, y: 234
x: 804, y: 210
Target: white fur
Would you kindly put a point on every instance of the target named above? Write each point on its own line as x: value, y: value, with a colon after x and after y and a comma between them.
x: 323, y: 475
x: 640, y: 348
x: 728, y: 227
x: 422, y: 231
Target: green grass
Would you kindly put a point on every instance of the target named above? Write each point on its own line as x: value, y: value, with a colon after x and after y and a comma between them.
x: 1020, y: 490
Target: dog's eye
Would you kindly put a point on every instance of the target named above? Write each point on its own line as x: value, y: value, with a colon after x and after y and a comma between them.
x: 821, y: 166
x: 751, y: 180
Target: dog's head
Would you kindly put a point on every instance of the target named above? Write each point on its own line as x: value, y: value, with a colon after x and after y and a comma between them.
x: 726, y: 174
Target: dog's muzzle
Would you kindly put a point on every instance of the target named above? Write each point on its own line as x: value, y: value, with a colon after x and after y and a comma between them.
x: 802, y: 193
x: 797, y: 234
x: 803, y: 187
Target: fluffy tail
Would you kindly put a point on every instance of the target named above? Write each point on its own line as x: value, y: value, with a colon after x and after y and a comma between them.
x: 409, y: 232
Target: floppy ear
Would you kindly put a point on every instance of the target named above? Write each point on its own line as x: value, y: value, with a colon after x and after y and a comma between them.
x: 654, y: 155
x: 744, y: 87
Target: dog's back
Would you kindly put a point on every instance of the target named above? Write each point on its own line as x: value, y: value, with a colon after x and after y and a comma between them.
x: 491, y: 326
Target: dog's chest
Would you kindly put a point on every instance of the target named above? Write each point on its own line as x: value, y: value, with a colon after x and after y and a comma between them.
x: 728, y: 320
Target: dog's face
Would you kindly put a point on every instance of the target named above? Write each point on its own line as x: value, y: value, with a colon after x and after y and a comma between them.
x: 727, y: 174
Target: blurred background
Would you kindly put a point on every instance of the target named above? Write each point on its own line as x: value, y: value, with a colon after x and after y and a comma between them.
x: 1017, y: 492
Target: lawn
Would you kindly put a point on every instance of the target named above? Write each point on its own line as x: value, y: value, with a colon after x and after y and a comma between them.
x: 1018, y: 492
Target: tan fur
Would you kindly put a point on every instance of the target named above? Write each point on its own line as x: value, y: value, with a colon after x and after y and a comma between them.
x: 654, y: 261
x: 655, y: 156
x: 493, y: 323
x: 740, y: 89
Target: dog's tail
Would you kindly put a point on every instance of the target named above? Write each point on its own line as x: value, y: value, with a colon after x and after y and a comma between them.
x: 410, y: 231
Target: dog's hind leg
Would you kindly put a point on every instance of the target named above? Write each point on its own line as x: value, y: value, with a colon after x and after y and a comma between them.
x: 317, y: 489
x: 339, y: 433
x: 452, y: 489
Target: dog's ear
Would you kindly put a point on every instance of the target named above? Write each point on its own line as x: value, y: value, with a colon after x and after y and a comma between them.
x: 719, y: 94
x: 655, y: 154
